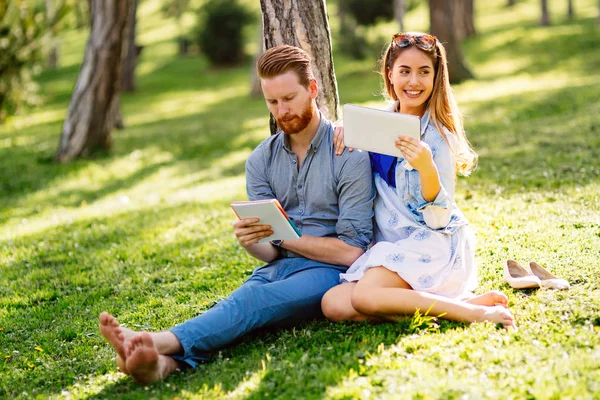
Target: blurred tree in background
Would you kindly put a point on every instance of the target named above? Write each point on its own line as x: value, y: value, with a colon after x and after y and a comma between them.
x: 175, y: 9
x: 355, y: 16
x: 94, y: 107
x: 25, y: 29
x: 442, y: 17
x: 545, y: 18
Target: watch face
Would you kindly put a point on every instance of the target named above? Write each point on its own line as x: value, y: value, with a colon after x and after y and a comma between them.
x: 276, y: 243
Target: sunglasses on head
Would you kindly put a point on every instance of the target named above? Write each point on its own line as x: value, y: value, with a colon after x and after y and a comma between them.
x: 422, y: 41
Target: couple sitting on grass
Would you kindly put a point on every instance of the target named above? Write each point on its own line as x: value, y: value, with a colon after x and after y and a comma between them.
x: 423, y: 256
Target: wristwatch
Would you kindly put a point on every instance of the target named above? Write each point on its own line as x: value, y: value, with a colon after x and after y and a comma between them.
x: 277, y: 243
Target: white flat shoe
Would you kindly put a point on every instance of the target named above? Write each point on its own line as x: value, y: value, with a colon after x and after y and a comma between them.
x: 548, y: 280
x: 520, y: 277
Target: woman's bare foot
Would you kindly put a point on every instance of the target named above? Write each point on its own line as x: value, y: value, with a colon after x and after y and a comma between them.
x: 144, y: 363
x: 491, y: 298
x: 117, y: 336
x: 499, y: 315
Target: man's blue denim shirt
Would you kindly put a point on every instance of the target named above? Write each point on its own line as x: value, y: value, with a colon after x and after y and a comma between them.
x: 330, y: 196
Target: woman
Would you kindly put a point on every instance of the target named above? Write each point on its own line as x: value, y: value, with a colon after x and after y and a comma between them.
x: 423, y: 258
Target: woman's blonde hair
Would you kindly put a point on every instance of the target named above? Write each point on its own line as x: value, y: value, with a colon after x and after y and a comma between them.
x: 443, y: 109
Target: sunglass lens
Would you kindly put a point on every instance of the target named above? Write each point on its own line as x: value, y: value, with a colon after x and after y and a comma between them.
x: 425, y: 42
x: 404, y: 42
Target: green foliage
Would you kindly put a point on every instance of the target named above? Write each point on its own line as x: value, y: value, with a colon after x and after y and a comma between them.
x: 220, y: 33
x: 175, y: 8
x: 353, y: 43
x: 24, y: 26
x: 370, y: 12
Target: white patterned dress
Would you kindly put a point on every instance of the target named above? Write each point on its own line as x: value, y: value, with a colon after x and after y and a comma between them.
x: 439, y: 261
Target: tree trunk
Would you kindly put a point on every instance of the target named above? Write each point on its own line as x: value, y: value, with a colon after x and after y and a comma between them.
x: 545, y: 19
x: 92, y: 110
x: 399, y: 10
x: 80, y: 19
x: 511, y: 3
x: 256, y: 90
x: 441, y: 18
x: 52, y: 61
x: 570, y: 10
x: 464, y: 18
x: 132, y: 52
x: 303, y: 23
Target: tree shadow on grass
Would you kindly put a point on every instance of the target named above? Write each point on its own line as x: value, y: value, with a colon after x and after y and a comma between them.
x: 193, y: 142
x: 272, y: 362
x: 548, y: 140
x: 541, y: 49
x: 62, y: 278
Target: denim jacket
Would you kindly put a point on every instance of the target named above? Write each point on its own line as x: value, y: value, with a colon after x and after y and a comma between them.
x: 442, y: 213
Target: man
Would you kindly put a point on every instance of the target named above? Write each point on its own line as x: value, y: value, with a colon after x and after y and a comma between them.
x: 330, y: 199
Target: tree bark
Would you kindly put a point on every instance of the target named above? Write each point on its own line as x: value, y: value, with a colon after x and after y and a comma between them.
x: 464, y: 18
x: 52, y: 61
x: 132, y: 52
x: 511, y: 3
x: 304, y: 23
x: 441, y: 19
x: 545, y: 19
x: 92, y: 109
x: 570, y: 10
x: 255, y: 90
x: 399, y: 10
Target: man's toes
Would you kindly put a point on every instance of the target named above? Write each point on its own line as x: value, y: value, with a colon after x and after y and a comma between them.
x: 104, y: 318
x: 146, y: 339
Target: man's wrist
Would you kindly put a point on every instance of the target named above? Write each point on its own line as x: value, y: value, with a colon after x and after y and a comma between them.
x: 277, y: 243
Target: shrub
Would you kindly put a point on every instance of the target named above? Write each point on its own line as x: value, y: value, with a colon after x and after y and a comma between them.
x: 220, y: 33
x: 23, y: 32
x: 370, y: 12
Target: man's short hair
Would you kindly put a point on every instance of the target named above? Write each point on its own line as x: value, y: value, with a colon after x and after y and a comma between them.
x: 281, y: 59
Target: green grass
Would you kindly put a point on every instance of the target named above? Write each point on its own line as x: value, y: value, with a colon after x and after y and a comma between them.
x: 145, y: 231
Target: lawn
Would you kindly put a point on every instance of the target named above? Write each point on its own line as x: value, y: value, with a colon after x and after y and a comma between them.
x: 145, y: 232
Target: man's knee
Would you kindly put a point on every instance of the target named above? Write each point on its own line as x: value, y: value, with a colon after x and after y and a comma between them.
x: 336, y: 305
x: 331, y: 307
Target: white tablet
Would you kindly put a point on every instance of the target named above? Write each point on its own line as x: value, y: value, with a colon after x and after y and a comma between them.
x: 375, y: 130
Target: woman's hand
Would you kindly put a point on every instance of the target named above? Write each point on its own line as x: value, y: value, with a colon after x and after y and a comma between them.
x: 248, y: 234
x: 338, y: 139
x: 417, y: 153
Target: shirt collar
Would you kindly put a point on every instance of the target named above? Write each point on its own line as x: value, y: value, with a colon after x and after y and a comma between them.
x: 424, y: 121
x: 315, y: 142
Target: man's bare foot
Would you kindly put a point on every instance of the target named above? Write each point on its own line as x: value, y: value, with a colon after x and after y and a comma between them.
x: 499, y: 315
x: 117, y: 336
x: 491, y: 298
x: 144, y: 363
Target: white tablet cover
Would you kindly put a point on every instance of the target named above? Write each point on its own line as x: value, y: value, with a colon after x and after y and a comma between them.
x: 376, y: 130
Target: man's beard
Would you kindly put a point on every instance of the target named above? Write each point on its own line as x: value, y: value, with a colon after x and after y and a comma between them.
x: 295, y: 124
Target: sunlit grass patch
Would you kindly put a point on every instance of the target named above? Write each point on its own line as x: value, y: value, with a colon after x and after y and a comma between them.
x: 145, y: 231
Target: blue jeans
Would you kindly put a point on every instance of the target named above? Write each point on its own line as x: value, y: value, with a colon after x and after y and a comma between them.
x: 288, y: 290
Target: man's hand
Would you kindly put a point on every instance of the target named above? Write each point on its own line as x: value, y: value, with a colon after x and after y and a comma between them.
x: 338, y: 139
x: 248, y: 234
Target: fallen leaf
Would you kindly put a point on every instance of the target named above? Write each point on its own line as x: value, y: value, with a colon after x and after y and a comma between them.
x: 38, y: 348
